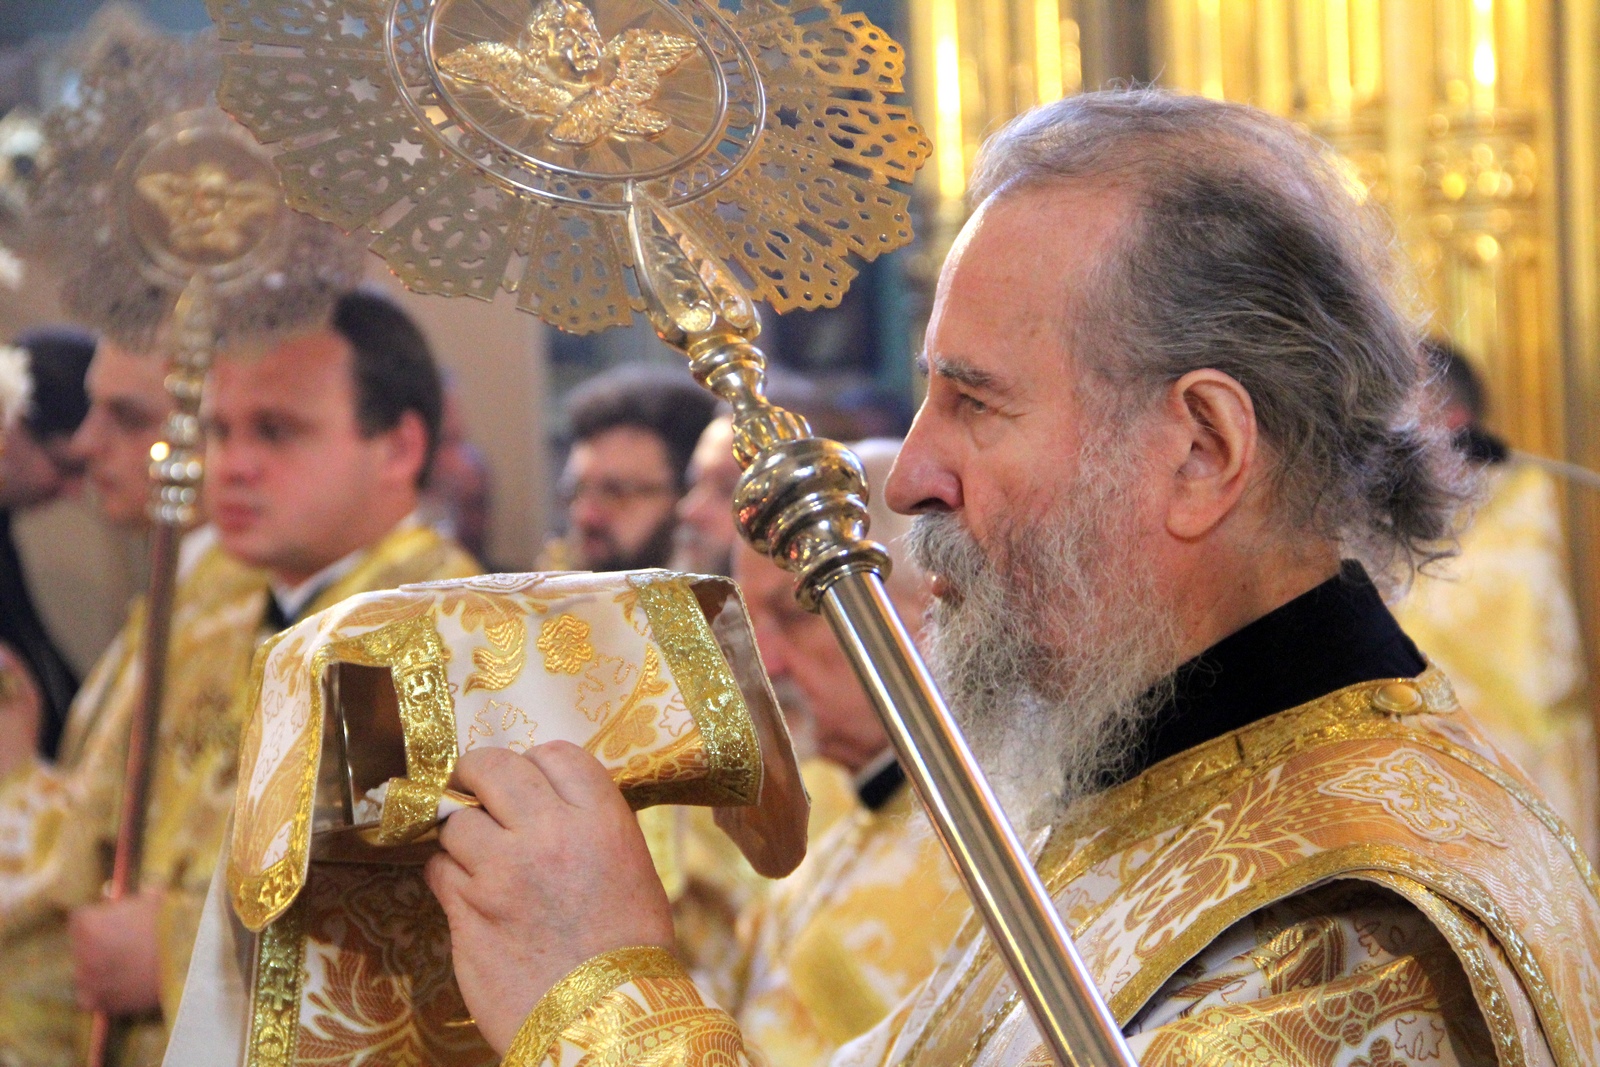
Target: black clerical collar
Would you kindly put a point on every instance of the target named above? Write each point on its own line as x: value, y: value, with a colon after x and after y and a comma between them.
x: 1336, y: 635
x: 879, y: 781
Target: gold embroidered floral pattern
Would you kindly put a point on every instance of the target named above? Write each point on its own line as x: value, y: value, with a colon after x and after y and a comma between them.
x: 1366, y: 1013
x: 1416, y: 790
x: 510, y: 718
x: 564, y: 640
x: 375, y: 986
x: 584, y: 987
x: 633, y: 725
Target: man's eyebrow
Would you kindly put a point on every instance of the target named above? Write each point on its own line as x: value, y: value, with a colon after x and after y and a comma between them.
x: 961, y: 373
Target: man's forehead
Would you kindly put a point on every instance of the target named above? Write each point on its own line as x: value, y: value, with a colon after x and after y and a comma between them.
x: 1006, y: 289
x: 622, y: 447
x: 286, y: 370
x: 714, y: 450
x: 113, y: 364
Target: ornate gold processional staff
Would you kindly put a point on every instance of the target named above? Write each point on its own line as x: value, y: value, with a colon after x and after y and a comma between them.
x: 676, y: 158
x: 178, y: 238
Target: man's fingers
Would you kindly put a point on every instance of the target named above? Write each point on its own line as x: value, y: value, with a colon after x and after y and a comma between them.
x: 470, y: 836
x: 445, y: 876
x: 510, y: 788
x: 579, y: 778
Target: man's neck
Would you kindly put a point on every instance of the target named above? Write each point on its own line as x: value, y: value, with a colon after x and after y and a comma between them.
x: 1335, y: 635
x: 295, y: 590
x: 1222, y: 599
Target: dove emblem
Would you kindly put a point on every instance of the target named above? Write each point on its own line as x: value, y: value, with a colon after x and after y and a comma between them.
x: 563, y: 70
x: 206, y: 210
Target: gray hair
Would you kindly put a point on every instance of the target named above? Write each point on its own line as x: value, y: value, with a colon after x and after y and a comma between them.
x: 1247, y: 252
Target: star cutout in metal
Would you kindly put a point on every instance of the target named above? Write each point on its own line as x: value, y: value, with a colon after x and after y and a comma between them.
x: 541, y: 121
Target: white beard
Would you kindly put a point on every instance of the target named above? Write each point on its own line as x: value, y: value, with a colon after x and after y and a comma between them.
x: 1053, y: 644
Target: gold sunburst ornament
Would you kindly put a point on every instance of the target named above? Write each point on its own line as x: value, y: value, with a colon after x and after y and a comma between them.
x: 491, y: 144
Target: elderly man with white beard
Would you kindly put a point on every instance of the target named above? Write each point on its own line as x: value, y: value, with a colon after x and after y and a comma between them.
x: 1171, y: 428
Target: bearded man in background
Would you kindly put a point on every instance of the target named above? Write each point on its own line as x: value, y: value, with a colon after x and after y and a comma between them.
x: 1172, y: 426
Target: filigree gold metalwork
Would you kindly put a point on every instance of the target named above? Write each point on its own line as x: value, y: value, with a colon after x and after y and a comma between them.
x: 503, y: 144
x: 148, y: 185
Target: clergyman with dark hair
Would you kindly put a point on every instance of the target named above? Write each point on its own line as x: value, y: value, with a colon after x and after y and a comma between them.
x: 315, y: 453
x: 36, y: 467
x: 633, y: 431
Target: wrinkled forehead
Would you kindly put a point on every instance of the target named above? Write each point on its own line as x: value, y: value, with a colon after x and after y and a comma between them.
x: 1020, y: 273
x: 713, y: 453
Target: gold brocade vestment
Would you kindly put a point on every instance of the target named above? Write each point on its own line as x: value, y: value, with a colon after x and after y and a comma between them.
x: 58, y: 825
x: 1360, y: 881
x: 836, y: 945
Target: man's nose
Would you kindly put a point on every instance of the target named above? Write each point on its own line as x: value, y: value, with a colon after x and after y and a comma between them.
x: 228, y: 462
x: 586, y: 514
x: 87, y: 439
x: 770, y: 642
x: 921, y: 480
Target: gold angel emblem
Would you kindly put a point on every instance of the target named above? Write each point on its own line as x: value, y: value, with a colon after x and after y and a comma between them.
x: 563, y: 70
x: 207, y: 210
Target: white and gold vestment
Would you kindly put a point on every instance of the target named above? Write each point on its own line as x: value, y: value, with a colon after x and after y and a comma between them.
x: 1499, y: 619
x: 59, y: 824
x: 1334, y: 884
x: 835, y: 946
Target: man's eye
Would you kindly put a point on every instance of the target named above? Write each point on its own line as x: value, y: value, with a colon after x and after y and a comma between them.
x: 971, y: 403
x: 274, y: 433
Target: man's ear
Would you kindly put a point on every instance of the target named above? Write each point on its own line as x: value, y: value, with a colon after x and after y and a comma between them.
x: 1216, y: 420
x: 405, y: 448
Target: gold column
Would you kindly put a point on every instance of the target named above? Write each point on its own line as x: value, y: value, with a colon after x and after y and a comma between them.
x: 976, y: 63
x: 1575, y: 103
x: 973, y: 65
x: 1443, y: 110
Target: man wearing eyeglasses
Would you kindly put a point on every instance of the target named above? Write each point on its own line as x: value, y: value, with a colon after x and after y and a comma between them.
x: 632, y: 433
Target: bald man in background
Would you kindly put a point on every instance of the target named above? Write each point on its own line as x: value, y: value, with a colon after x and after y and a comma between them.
x: 862, y: 922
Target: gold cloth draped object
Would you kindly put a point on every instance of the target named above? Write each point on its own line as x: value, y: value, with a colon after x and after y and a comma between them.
x: 359, y: 714
x: 652, y: 672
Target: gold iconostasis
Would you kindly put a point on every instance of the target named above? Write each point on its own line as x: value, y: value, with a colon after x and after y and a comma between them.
x: 1471, y: 121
